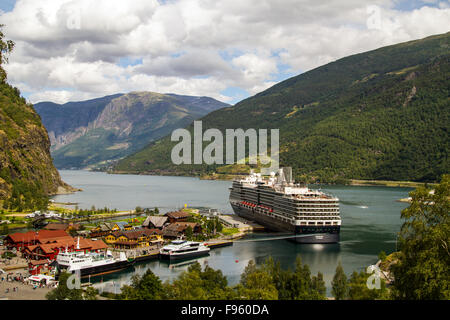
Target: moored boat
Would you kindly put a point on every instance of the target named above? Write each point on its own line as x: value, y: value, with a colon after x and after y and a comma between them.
x: 91, y: 263
x: 279, y: 204
x: 182, y: 249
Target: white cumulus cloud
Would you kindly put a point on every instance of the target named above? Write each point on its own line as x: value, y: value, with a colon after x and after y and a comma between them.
x: 79, y: 49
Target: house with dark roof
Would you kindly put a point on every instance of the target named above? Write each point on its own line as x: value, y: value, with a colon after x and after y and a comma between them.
x: 62, y: 226
x: 178, y: 229
x: 106, y: 228
x: 196, y: 227
x: 177, y: 216
x: 57, y: 226
x: 155, y: 222
x: 134, y: 238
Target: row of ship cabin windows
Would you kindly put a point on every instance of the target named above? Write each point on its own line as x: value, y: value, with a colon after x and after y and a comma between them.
x: 319, y: 223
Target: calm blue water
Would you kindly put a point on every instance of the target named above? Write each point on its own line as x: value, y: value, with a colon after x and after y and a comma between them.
x: 370, y: 222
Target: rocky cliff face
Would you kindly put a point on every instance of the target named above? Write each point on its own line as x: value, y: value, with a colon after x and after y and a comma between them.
x: 66, y: 123
x: 27, y: 174
x: 94, y: 132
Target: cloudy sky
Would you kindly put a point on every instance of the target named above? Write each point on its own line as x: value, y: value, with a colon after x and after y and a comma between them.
x: 69, y: 50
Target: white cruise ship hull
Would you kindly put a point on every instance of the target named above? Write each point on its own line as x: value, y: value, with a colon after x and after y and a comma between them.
x: 306, y: 234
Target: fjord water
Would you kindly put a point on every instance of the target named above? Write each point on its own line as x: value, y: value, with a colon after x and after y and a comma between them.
x: 370, y: 222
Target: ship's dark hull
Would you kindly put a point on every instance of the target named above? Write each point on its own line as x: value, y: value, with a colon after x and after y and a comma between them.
x: 104, y: 269
x: 146, y: 257
x: 221, y: 244
x: 305, y: 234
x: 184, y: 256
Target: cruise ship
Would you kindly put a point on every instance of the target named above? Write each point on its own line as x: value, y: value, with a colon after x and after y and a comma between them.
x: 91, y: 264
x: 182, y: 249
x: 279, y: 204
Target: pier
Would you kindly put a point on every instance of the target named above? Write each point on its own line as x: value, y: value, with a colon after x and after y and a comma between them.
x: 152, y: 253
x: 218, y: 243
x: 244, y: 225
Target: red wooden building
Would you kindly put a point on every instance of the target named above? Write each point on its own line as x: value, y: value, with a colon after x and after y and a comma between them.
x: 50, y: 249
x: 21, y: 240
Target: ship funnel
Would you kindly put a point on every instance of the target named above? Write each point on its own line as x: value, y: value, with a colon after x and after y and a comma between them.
x: 78, y: 244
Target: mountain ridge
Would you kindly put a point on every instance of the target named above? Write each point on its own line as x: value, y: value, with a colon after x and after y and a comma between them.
x: 376, y: 115
x: 94, y: 132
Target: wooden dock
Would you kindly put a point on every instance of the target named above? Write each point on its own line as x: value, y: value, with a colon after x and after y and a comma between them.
x: 218, y: 244
x: 154, y: 255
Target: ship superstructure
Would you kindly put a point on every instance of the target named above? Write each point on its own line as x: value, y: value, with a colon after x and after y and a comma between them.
x: 91, y: 263
x: 282, y: 205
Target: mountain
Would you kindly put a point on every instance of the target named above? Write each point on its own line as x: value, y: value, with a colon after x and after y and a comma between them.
x: 93, y: 132
x: 382, y: 114
x: 27, y: 174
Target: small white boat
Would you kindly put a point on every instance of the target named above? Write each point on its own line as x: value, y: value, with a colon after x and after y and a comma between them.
x: 182, y: 249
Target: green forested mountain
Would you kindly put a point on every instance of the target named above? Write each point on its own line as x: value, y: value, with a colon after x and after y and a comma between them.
x: 27, y: 174
x: 92, y: 132
x: 382, y: 114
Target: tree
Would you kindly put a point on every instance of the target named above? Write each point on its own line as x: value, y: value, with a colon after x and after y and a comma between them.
x: 339, y: 283
x: 215, y: 283
x: 138, y: 209
x: 147, y: 287
x: 188, y: 285
x: 256, y: 284
x: 6, y: 47
x: 300, y: 281
x: 382, y: 256
x: 249, y: 269
x: 279, y: 277
x: 423, y: 267
x: 358, y: 290
x: 195, y: 284
x: 5, y: 228
x: 62, y: 292
x: 90, y: 293
x: 189, y: 233
x: 318, y: 285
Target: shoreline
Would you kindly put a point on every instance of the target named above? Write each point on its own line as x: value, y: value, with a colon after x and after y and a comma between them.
x: 390, y: 183
x: 62, y: 190
x: 231, y: 177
